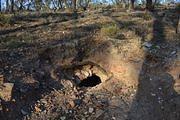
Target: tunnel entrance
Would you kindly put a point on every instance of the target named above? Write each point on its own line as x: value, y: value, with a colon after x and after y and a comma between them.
x: 90, y: 81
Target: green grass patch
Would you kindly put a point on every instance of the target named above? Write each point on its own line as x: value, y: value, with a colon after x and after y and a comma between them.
x: 6, y: 19
x: 145, y: 16
x: 110, y: 30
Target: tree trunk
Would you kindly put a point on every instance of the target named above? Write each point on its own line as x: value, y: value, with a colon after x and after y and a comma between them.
x: 21, y: 5
x: 149, y: 5
x: 60, y: 4
x: 0, y: 5
x: 74, y: 5
x: 7, y: 5
x: 132, y: 4
x: 12, y: 5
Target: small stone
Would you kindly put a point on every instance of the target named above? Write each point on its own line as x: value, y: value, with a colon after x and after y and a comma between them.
x: 113, y: 118
x: 63, y: 118
x: 72, y: 104
x: 148, y: 45
x: 91, y: 110
x: 83, y: 119
x: 152, y: 94
x: 13, y: 100
x: 85, y: 113
x: 174, y: 52
x: 37, y: 109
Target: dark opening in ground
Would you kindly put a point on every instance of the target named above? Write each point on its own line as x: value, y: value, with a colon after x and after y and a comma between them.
x: 90, y: 81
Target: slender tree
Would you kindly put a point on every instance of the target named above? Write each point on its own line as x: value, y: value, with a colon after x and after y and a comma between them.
x: 21, y: 5
x: 74, y: 5
x: 0, y: 5
x: 132, y: 4
x: 12, y: 5
x: 7, y: 5
x: 149, y: 5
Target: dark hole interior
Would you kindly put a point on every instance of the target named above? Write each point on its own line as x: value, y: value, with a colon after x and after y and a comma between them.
x: 90, y: 81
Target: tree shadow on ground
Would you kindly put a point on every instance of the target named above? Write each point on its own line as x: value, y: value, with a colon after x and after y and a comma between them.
x: 156, y: 98
x: 55, y: 18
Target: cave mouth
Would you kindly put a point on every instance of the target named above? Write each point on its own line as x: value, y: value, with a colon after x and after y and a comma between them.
x: 90, y: 81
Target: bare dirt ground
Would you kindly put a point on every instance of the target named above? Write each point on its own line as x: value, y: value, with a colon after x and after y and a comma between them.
x: 106, y: 65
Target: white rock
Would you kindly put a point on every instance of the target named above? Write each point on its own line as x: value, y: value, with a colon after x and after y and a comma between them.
x: 152, y: 94
x: 91, y: 110
x: 62, y: 118
x: 174, y: 52
x: 148, y: 45
x: 113, y: 118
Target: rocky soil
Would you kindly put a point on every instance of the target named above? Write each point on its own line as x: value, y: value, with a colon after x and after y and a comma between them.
x: 56, y: 67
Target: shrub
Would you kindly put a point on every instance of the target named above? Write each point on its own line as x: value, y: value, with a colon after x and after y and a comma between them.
x: 5, y: 19
x: 110, y: 30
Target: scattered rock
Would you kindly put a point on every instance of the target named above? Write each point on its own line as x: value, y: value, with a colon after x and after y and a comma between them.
x: 173, y: 52
x: 6, y: 91
x: 152, y: 94
x: 147, y: 45
x: 72, y: 104
x: 113, y: 118
x: 37, y: 109
x: 63, y: 118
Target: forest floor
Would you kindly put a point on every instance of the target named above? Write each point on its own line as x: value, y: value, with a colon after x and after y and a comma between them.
x: 107, y: 64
